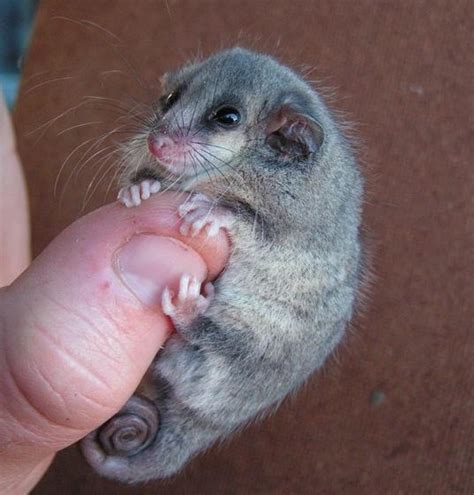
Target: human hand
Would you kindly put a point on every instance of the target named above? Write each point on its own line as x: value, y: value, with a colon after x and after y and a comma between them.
x: 81, y: 325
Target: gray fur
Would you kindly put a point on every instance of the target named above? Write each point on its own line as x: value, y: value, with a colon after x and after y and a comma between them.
x: 287, y: 294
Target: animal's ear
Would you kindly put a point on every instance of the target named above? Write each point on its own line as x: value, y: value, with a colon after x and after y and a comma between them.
x: 180, y: 76
x: 293, y: 132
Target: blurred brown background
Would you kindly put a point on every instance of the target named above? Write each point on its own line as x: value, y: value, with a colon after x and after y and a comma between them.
x: 393, y: 411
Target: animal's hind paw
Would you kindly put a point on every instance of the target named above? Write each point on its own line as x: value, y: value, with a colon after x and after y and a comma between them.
x: 189, y: 303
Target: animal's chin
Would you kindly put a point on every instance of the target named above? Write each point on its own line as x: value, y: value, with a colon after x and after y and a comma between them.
x: 176, y: 167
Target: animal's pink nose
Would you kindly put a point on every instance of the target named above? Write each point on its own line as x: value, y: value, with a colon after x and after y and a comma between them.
x: 159, y: 144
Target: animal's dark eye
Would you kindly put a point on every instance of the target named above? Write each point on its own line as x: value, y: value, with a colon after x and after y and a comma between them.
x: 226, y: 116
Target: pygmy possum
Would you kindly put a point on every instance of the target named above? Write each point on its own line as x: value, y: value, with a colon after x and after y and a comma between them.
x: 256, y: 152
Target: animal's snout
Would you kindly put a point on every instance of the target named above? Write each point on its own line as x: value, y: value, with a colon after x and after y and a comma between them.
x: 160, y: 144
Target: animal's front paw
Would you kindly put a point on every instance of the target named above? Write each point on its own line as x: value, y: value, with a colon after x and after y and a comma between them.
x: 135, y: 194
x: 200, y: 212
x: 189, y: 303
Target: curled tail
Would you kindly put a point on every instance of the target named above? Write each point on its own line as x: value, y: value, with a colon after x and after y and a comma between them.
x: 146, y: 440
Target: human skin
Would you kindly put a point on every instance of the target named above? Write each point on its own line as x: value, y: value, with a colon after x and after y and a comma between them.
x: 80, y: 325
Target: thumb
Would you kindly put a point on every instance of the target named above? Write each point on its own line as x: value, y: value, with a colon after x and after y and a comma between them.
x: 80, y: 327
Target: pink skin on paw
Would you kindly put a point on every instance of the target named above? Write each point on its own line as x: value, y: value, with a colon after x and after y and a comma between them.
x: 135, y: 194
x: 189, y: 303
x: 199, y: 213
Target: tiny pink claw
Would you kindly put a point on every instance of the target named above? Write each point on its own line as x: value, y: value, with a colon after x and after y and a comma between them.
x: 155, y: 186
x: 213, y: 229
x: 124, y: 197
x: 185, y: 208
x: 184, y: 287
x: 197, y: 226
x: 145, y: 189
x: 166, y: 302
x: 194, y: 287
x: 135, y: 193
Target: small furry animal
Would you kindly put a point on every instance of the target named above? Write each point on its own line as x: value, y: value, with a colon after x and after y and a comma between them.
x: 261, y: 156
